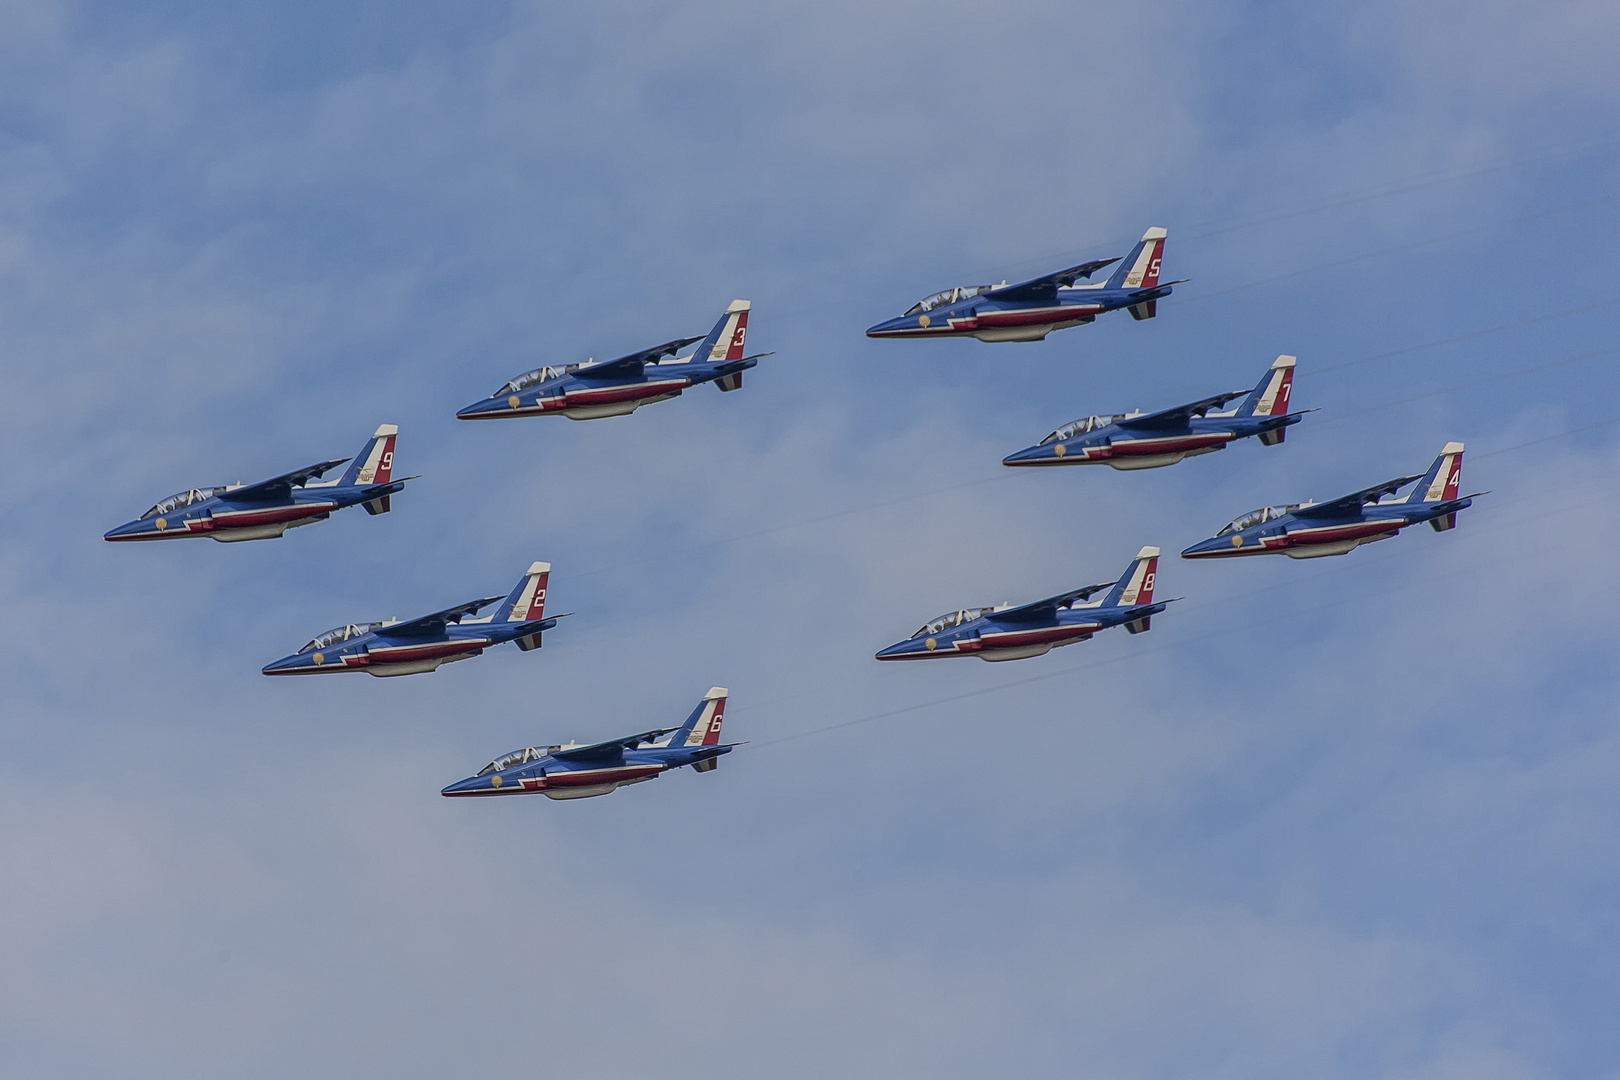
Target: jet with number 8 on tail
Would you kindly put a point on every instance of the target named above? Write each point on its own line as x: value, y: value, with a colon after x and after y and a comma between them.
x: 1013, y: 633
x: 579, y: 772
x: 1030, y: 310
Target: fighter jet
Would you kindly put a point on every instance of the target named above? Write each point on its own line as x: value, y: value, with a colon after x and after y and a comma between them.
x: 1151, y: 440
x: 616, y: 387
x: 1012, y: 633
x: 1030, y: 310
x: 578, y: 772
x: 406, y: 648
x: 1310, y: 530
x: 269, y: 508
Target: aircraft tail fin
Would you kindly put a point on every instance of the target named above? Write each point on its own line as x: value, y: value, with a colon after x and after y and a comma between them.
x: 1140, y: 269
x: 375, y: 463
x: 702, y: 728
x: 380, y: 505
x: 1439, y: 484
x: 528, y: 601
x: 1135, y: 588
x: 725, y: 341
x: 1270, y: 397
x: 1146, y: 310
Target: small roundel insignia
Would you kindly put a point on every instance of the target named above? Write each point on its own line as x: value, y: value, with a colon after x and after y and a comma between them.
x: 932, y: 644
x: 161, y: 524
x: 922, y: 321
x: 512, y: 402
x: 495, y: 781
x: 1060, y: 449
x: 319, y: 659
x: 1237, y: 541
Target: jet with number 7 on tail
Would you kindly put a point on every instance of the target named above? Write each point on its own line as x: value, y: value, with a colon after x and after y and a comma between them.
x: 269, y: 508
x: 578, y: 772
x: 417, y: 645
x: 1013, y: 633
x: 1152, y: 440
x: 1310, y: 530
x: 617, y: 387
x: 1030, y: 310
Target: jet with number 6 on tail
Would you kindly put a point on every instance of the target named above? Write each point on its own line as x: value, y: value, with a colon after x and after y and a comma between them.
x: 1151, y: 440
x: 578, y: 772
x: 269, y: 508
x: 1013, y: 633
x: 1310, y: 530
x: 617, y: 387
x: 407, y: 648
x: 1030, y: 310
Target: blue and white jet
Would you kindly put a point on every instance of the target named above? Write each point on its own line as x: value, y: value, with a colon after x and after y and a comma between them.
x: 1310, y: 530
x: 408, y: 648
x: 1013, y: 633
x: 576, y: 771
x: 1151, y: 440
x: 269, y: 508
x: 616, y: 387
x: 1030, y: 310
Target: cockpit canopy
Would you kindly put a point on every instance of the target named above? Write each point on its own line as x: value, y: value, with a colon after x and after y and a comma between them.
x: 952, y: 619
x: 515, y: 758
x: 534, y: 378
x: 184, y: 498
x: 1257, y: 517
x: 1080, y: 427
x: 339, y: 634
x: 949, y: 296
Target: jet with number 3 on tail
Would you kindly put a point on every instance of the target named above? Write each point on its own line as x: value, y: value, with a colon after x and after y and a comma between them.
x: 616, y: 387
x: 1013, y: 633
x: 1310, y: 530
x: 269, y: 508
x: 1030, y: 310
x: 1152, y: 440
x: 418, y: 645
x: 579, y: 771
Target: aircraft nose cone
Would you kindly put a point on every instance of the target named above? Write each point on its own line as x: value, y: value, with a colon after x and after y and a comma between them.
x: 476, y: 411
x: 124, y: 531
x: 888, y: 326
x: 894, y: 652
x: 1028, y: 456
x: 282, y: 666
x: 1213, y: 546
x: 462, y: 787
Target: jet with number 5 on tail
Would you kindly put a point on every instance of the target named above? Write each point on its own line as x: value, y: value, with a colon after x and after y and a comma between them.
x: 578, y: 772
x: 269, y: 508
x: 1151, y: 440
x: 616, y: 387
x: 407, y: 648
x: 1013, y: 633
x: 1310, y: 530
x: 1030, y: 310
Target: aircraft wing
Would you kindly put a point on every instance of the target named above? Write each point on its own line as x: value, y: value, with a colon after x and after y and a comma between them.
x: 428, y: 625
x: 279, y: 487
x: 1179, y: 415
x: 1047, y: 609
x: 610, y: 749
x: 1043, y: 288
x: 1352, y: 503
x: 632, y: 364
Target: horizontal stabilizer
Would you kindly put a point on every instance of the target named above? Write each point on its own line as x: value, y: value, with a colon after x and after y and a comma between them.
x: 280, y: 487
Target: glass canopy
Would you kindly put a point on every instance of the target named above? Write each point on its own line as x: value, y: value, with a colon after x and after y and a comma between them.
x: 184, y: 498
x: 339, y: 634
x: 949, y: 296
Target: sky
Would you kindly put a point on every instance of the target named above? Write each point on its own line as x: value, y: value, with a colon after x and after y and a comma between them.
x: 1340, y: 819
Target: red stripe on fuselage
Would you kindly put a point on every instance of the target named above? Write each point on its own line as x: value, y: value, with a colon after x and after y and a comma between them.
x: 269, y: 515
x: 608, y: 395
x: 398, y: 654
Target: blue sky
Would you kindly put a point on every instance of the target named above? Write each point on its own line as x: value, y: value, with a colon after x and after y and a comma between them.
x: 1348, y: 818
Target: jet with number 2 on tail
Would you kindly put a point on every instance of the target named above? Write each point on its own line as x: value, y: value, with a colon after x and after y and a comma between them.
x: 578, y: 772
x: 1310, y: 530
x: 407, y: 648
x: 1013, y: 633
x: 616, y: 387
x: 269, y: 508
x: 1151, y: 440
x: 1030, y: 310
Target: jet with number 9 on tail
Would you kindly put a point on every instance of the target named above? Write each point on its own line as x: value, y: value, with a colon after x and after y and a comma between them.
x: 1013, y: 633
x: 418, y: 645
x: 1151, y: 440
x: 578, y: 772
x: 616, y: 387
x: 1310, y: 530
x: 1030, y: 310
x: 269, y: 508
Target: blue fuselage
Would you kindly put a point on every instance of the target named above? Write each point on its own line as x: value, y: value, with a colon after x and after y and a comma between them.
x: 1125, y: 447
x: 1307, y: 536
x: 991, y: 319
x: 226, y: 519
x: 586, y: 398
x: 560, y: 779
x: 990, y: 638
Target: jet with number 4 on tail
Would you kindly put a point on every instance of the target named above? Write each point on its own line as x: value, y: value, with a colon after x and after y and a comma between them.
x: 1151, y: 440
x: 269, y: 508
x: 1030, y: 310
x: 417, y: 645
x: 1013, y: 633
x: 579, y: 771
x: 616, y: 387
x: 1311, y: 529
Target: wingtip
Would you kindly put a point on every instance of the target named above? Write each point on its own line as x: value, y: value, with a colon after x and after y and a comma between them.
x: 739, y: 305
x: 385, y: 429
x: 1148, y: 553
x: 540, y: 568
x: 1452, y: 448
x: 715, y: 693
x: 1284, y: 361
x: 1155, y: 233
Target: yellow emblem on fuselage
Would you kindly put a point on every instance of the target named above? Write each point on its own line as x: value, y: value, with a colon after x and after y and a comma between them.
x: 161, y: 524
x: 1237, y: 541
x: 495, y: 781
x: 1059, y: 450
x: 932, y: 644
x: 922, y: 321
x: 319, y: 659
x: 512, y: 402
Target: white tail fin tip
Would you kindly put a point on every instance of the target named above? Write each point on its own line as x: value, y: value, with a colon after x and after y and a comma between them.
x: 385, y: 429
x: 1283, y: 362
x: 1452, y: 448
x: 1155, y: 233
x: 716, y: 692
x: 1148, y: 553
x: 737, y: 305
x: 540, y: 568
